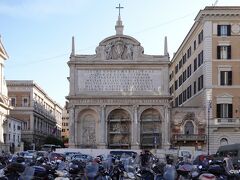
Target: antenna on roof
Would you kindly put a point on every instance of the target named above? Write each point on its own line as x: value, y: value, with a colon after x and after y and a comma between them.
x: 215, y: 3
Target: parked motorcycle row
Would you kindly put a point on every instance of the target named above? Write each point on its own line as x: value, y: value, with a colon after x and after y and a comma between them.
x: 142, y: 167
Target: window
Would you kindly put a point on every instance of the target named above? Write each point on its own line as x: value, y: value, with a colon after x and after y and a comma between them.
x: 176, y: 84
x: 224, y: 30
x: 180, y: 64
x: 9, y: 125
x: 225, y: 78
x: 184, y: 58
x: 18, y: 127
x: 176, y: 102
x: 224, y: 52
x: 200, y: 82
x: 200, y: 37
x: 180, y: 80
x: 14, y: 138
x: 180, y: 99
x: 25, y: 102
x: 176, y: 69
x: 194, y: 45
x: 223, y: 141
x: 200, y: 58
x: 189, y: 91
x: 195, y: 64
x: 224, y: 110
x: 189, y: 128
x: 189, y: 52
x: 171, y: 90
x: 18, y: 138
x: 189, y: 71
x: 194, y: 87
x: 13, y: 101
x: 184, y: 75
x: 184, y: 95
x: 171, y: 76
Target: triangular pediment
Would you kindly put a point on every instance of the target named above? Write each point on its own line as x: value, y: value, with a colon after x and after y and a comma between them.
x: 225, y: 95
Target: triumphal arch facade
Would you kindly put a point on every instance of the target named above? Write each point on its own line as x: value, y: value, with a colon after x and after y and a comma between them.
x: 119, y: 96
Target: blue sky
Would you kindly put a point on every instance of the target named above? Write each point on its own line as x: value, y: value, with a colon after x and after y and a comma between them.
x: 37, y: 34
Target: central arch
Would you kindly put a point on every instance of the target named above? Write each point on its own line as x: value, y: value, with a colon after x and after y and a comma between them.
x: 119, y: 126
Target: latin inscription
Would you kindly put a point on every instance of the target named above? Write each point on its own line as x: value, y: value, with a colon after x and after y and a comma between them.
x: 119, y: 80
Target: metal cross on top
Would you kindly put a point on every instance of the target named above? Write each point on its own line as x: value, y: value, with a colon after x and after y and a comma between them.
x: 119, y: 9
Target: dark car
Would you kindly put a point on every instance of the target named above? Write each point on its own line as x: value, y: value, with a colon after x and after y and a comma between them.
x: 119, y: 154
x: 203, y: 160
x: 56, y: 156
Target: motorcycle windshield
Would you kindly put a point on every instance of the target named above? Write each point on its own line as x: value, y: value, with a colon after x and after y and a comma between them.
x: 27, y: 173
x: 61, y: 166
x: 91, y: 170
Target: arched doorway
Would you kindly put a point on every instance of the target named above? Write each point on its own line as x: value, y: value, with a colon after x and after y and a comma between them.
x: 87, y: 128
x: 119, y: 126
x: 150, y: 136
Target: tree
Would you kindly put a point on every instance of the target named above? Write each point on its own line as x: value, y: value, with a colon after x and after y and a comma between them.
x: 53, y: 140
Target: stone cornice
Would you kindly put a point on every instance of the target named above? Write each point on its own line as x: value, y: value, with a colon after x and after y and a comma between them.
x: 117, y: 63
x: 218, y: 11
x: 150, y: 100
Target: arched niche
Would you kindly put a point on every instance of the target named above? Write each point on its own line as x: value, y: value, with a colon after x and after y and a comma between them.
x: 87, y: 128
x: 150, y: 129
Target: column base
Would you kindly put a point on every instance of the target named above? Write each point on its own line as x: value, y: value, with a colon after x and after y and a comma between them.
x: 135, y: 146
x: 102, y: 146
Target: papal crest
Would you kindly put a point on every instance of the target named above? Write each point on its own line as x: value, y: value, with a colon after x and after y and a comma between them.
x: 119, y: 49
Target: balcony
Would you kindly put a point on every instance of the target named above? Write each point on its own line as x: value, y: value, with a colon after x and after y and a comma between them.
x: 225, y: 122
x: 189, y: 137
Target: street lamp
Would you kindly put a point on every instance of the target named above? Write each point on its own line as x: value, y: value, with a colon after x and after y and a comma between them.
x: 209, y: 107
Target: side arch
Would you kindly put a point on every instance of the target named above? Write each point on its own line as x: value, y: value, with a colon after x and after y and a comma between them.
x: 87, y: 128
x: 150, y: 129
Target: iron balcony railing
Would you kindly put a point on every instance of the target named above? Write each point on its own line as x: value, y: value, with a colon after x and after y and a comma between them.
x: 189, y: 137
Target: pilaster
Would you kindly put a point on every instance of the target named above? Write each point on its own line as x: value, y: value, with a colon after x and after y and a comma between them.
x: 135, y: 131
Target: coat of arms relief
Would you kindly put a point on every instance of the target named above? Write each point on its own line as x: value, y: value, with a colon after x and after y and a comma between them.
x: 119, y: 50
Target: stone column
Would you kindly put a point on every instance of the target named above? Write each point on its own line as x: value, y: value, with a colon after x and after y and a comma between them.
x: 72, y: 127
x: 166, y: 127
x: 135, y: 132
x: 102, y: 128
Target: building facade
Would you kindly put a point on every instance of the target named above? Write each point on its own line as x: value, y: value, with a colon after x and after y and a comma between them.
x: 12, y: 134
x: 205, y: 83
x: 40, y: 115
x: 65, y: 126
x: 119, y: 96
x: 4, y: 100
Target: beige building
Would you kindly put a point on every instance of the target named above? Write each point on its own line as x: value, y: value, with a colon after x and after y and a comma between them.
x: 119, y: 96
x: 4, y: 100
x: 65, y: 126
x: 205, y: 83
x: 41, y: 115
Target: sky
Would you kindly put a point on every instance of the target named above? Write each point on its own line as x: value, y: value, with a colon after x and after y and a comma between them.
x: 37, y: 34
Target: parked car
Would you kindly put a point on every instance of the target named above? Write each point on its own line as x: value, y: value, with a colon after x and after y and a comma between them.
x: 56, y: 156
x: 82, y: 157
x: 69, y: 155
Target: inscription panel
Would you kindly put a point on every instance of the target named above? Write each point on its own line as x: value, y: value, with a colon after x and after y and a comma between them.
x: 120, y: 81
